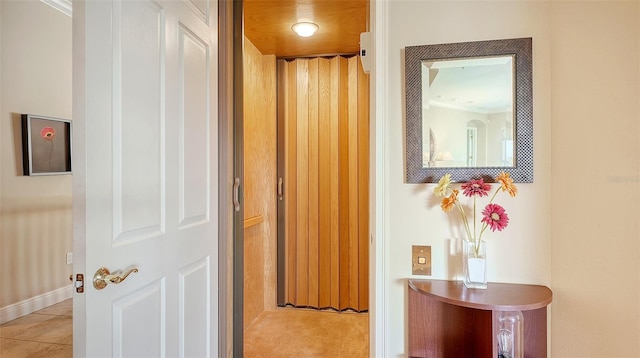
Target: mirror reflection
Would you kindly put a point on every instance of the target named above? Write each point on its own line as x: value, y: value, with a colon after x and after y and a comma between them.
x: 468, y: 112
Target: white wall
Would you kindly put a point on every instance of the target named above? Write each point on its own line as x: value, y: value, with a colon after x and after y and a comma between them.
x: 595, y: 71
x: 35, y: 216
x: 573, y: 229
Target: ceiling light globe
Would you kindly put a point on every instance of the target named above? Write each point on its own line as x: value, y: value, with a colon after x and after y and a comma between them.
x: 304, y: 29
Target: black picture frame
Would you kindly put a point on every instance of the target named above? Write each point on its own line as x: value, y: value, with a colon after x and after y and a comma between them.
x: 46, y: 145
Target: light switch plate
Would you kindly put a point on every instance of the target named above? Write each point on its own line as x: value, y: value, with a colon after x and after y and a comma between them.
x: 421, y: 260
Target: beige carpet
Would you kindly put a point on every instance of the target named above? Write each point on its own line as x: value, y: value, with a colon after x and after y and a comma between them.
x: 294, y: 332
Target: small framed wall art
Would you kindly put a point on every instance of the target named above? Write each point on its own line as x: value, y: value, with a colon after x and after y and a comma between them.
x: 46, y: 145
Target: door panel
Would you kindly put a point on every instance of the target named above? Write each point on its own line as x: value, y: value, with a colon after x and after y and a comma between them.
x: 139, y: 316
x: 301, y: 208
x: 138, y: 177
x: 325, y: 167
x: 145, y: 177
x: 194, y: 322
x: 313, y: 182
x: 326, y: 187
x: 193, y: 55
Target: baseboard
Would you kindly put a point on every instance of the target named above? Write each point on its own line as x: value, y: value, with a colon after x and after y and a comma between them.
x: 36, y: 303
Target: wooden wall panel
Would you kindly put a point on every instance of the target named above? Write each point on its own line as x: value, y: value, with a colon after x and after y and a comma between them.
x: 253, y: 275
x: 253, y: 304
x: 267, y: 173
x: 330, y: 234
x: 260, y: 235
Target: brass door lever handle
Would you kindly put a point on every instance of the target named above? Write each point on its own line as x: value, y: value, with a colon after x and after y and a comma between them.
x: 103, y: 277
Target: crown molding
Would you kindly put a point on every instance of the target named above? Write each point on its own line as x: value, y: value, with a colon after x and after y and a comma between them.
x: 64, y: 6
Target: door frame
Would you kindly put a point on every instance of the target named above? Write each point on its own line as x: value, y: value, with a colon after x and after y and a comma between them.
x: 378, y: 333
x: 231, y: 244
x: 225, y: 183
x: 231, y: 39
x: 238, y: 175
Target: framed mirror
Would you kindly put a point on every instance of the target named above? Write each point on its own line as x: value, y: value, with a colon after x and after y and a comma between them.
x: 469, y: 111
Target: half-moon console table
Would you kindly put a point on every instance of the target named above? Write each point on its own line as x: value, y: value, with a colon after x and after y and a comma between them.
x: 447, y: 319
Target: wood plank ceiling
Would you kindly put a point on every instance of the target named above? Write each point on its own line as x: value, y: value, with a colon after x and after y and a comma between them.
x: 268, y: 26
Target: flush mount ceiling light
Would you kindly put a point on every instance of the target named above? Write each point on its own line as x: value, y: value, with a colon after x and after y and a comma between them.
x: 304, y: 29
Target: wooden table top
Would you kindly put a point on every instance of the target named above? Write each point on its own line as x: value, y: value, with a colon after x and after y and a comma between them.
x: 497, y: 296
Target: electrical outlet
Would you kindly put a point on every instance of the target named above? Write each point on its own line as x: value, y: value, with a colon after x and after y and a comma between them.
x: 69, y: 258
x: 421, y: 260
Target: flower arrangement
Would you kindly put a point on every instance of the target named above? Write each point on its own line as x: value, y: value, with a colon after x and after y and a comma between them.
x: 494, y: 216
x: 48, y: 133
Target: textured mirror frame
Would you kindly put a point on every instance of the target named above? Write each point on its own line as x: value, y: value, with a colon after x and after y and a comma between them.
x: 522, y: 171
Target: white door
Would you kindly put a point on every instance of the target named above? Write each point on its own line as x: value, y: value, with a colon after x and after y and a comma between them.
x: 145, y: 177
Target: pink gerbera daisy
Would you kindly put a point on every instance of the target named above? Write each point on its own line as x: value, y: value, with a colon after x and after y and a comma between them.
x: 476, y: 187
x: 495, y: 216
x: 448, y: 202
x: 48, y: 133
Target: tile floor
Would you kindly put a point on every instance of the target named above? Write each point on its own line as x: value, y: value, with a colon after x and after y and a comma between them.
x: 280, y: 333
x: 45, y: 333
